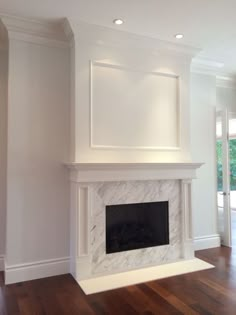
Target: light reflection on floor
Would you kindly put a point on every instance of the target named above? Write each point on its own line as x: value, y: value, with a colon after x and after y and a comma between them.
x: 233, y: 223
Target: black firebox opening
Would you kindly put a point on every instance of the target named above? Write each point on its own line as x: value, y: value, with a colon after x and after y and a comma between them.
x: 137, y: 225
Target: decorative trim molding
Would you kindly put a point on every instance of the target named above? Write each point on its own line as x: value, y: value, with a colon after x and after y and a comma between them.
x: 2, y: 260
x: 101, y: 35
x: 119, y: 166
x: 205, y: 66
x: 203, y: 63
x: 3, y: 37
x: 226, y: 82
x: 83, y: 223
x: 205, y: 242
x: 112, y: 147
x: 186, y: 205
x: 123, y: 67
x: 36, y: 270
x: 96, y: 172
x: 67, y: 29
x: 80, y: 211
x: 109, y: 166
x: 35, y: 31
x: 127, y: 68
x: 214, y: 68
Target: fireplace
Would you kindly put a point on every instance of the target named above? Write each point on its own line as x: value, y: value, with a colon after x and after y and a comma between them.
x: 108, y: 193
x: 136, y: 226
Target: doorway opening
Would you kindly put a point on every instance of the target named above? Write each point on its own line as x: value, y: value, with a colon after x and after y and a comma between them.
x: 226, y: 176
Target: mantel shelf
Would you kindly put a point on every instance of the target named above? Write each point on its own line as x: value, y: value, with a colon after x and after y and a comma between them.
x: 94, y: 172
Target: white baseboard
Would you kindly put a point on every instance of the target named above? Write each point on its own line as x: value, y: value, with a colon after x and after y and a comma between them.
x: 54, y: 267
x: 36, y: 270
x: 208, y: 241
x: 1, y: 262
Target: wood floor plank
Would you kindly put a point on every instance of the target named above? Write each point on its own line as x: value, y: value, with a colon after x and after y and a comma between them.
x: 209, y: 292
x: 172, y: 299
x: 157, y: 303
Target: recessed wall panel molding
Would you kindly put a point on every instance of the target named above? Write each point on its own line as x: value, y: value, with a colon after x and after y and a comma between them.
x: 133, y: 109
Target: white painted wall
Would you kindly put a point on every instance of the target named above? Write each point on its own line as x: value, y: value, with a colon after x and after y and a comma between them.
x: 3, y: 148
x: 126, y: 124
x: 38, y: 145
x: 203, y: 102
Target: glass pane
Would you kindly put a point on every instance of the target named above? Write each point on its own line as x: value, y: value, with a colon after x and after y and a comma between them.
x: 232, y: 161
x: 219, y: 157
x: 219, y: 165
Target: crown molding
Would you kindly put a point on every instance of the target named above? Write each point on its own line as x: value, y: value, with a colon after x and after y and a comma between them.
x: 226, y: 81
x: 214, y: 68
x: 211, y: 64
x: 105, y: 36
x: 35, y: 31
x: 66, y: 26
x: 206, y: 66
x: 3, y: 38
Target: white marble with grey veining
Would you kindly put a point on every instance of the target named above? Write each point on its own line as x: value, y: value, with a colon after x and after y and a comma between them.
x: 111, y: 193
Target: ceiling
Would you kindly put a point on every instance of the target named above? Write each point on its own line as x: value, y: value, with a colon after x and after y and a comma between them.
x: 206, y: 24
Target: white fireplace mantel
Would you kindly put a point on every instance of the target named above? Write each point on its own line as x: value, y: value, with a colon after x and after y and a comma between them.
x: 95, y: 185
x: 96, y: 172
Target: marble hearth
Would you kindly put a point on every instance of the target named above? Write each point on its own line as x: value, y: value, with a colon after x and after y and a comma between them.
x: 94, y: 186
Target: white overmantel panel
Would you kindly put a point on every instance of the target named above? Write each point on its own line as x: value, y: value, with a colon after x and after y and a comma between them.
x: 129, y: 77
x: 138, y: 105
x: 97, y: 172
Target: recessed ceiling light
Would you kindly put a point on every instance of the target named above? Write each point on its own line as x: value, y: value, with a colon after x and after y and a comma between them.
x: 118, y: 21
x: 179, y: 36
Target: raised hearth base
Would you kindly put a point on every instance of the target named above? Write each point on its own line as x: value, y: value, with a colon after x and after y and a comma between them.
x: 123, y: 279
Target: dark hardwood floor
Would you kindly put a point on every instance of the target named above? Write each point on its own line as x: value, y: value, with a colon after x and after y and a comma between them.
x: 206, y: 292
x: 233, y: 223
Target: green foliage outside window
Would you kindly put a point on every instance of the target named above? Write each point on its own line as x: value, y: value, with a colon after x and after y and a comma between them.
x: 232, y: 155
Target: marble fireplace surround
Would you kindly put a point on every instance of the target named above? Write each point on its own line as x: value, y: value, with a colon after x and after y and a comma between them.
x: 95, y: 185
